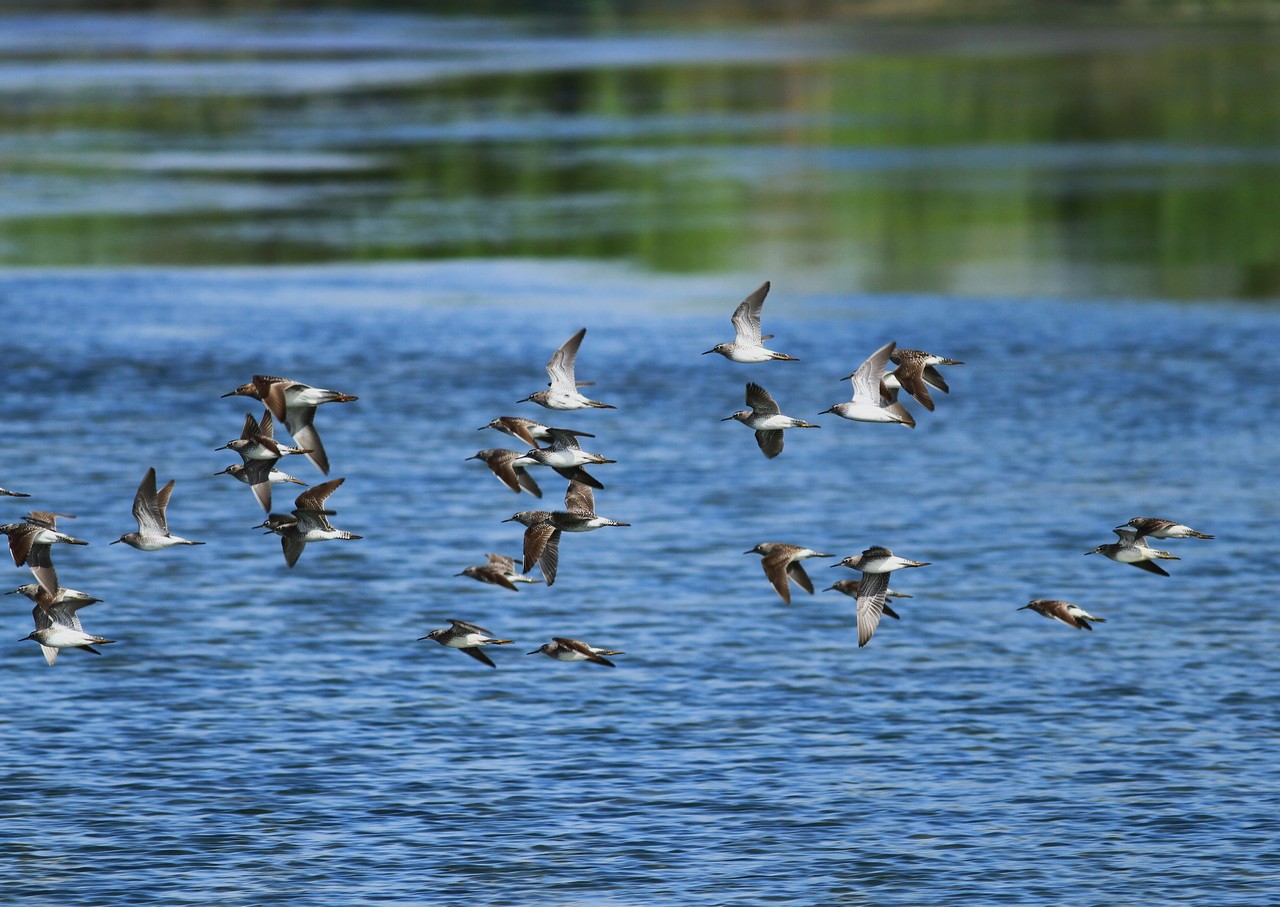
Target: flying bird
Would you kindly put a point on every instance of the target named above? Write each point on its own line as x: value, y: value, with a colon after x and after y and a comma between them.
x: 748, y: 343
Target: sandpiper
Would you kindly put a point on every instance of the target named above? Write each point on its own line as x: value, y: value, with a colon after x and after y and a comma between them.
x: 872, y: 589
x: 499, y: 571
x: 527, y: 430
x: 468, y: 638
x: 748, y: 342
x: 58, y: 627
x: 916, y: 373
x: 1156, y: 528
x: 34, y: 591
x: 294, y: 404
x: 6, y: 493
x: 1133, y: 549
x: 872, y: 401
x: 1069, y: 614
x: 850, y: 588
x: 257, y: 441
x: 878, y: 559
x: 260, y: 475
x: 561, y: 648
x: 781, y: 561
x: 29, y: 543
x: 767, y: 420
x: 500, y: 462
x: 543, y: 528
x: 149, y: 506
x: 309, y: 522
x: 563, y: 393
x: 565, y: 456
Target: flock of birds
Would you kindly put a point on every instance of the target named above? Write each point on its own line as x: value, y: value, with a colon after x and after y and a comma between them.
x: 875, y: 394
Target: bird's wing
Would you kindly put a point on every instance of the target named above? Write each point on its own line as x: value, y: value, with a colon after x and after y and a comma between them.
x: 775, y: 568
x: 770, y: 442
x: 871, y: 590
x: 579, y: 498
x: 746, y: 317
x: 760, y: 401
x: 313, y: 498
x: 866, y: 380
x: 146, y: 506
x: 560, y: 368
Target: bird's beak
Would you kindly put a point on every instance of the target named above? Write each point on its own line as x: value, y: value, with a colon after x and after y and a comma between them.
x: 727, y: 419
x: 534, y: 652
x: 229, y: 394
x: 116, y: 542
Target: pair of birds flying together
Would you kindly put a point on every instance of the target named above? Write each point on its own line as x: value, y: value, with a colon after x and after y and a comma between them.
x: 470, y: 638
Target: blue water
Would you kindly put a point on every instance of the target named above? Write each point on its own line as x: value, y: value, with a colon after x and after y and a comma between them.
x: 264, y: 735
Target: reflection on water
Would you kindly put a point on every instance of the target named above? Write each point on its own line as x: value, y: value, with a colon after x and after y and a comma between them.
x: 1002, y: 159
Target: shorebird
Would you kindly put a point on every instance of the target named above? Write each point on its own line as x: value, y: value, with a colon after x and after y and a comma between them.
x: 1156, y: 528
x: 872, y: 401
x: 767, y: 420
x: 58, y: 627
x: 875, y: 563
x: 543, y: 528
x: 294, y: 404
x: 527, y: 430
x: 563, y: 393
x: 6, y: 493
x: 499, y: 571
x: 259, y: 474
x: 1133, y: 549
x: 1069, y: 614
x: 916, y: 373
x: 850, y: 588
x: 33, y: 591
x: 561, y: 648
x: 748, y: 342
x: 149, y: 506
x: 565, y: 457
x: 781, y: 561
x: 500, y: 461
x: 468, y: 638
x: 878, y: 559
x: 29, y: 543
x: 309, y: 522
x: 257, y: 441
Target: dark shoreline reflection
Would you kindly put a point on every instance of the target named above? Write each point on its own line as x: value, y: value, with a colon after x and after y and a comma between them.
x: 1078, y: 159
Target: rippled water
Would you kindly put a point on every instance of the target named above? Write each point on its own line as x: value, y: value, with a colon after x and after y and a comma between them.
x: 266, y: 735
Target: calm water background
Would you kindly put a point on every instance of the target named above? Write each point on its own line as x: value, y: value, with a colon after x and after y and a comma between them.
x: 330, y: 201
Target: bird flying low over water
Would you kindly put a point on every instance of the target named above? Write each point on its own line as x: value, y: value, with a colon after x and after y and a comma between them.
x: 565, y: 456
x: 1156, y: 528
x: 260, y: 451
x: 467, y: 637
x: 872, y: 401
x: 767, y: 420
x: 499, y: 571
x: 563, y: 392
x: 309, y: 522
x: 294, y: 404
x: 782, y: 561
x: 916, y: 373
x: 29, y: 543
x: 875, y: 564
x: 1066, y: 612
x: 527, y: 430
x: 149, y: 506
x: 58, y: 627
x: 748, y: 343
x: 543, y: 528
x: 561, y: 648
x: 1133, y: 549
x: 501, y: 463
